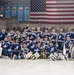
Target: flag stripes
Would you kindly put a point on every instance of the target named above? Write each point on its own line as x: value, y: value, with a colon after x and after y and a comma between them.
x: 56, y: 11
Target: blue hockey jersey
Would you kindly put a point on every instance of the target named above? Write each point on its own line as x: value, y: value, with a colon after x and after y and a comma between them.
x: 51, y: 49
x: 16, y: 47
x: 2, y: 36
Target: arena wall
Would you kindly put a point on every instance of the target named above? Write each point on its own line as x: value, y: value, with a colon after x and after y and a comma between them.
x: 11, y: 23
x: 2, y: 24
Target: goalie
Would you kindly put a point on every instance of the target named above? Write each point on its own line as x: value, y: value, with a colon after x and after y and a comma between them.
x: 0, y: 50
x: 68, y: 44
x: 72, y: 50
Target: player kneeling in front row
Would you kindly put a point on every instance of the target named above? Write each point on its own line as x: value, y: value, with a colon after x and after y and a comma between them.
x: 25, y: 52
x: 15, y: 49
x: 52, y: 52
x: 32, y: 52
x: 37, y: 51
x: 5, y: 46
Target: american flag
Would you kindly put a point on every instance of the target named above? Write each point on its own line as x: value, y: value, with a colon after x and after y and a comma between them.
x: 52, y: 11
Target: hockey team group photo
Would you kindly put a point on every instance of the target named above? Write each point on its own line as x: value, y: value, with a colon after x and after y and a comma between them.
x: 37, y: 43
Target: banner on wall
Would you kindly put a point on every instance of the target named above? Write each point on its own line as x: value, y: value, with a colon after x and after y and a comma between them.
x: 2, y: 8
x: 20, y: 11
x: 8, y: 10
x: 27, y: 11
x: 14, y: 9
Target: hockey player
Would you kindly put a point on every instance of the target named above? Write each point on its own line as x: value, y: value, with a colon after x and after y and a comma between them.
x: 67, y: 47
x: 46, y: 41
x: 32, y: 35
x: 53, y: 36
x: 37, y: 51
x: 3, y: 34
x: 24, y: 52
x: 60, y: 40
x: 38, y: 32
x: 38, y: 39
x: 10, y: 47
x: 16, y: 35
x: 11, y: 33
x: 52, y: 51
x: 22, y: 38
x: 15, y: 49
x: 5, y: 47
x: 70, y: 33
x: 46, y: 33
x: 27, y: 41
x: 32, y: 46
x: 25, y: 33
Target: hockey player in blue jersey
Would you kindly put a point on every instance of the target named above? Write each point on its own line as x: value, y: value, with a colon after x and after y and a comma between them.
x: 46, y: 41
x: 37, y: 48
x: 5, y: 47
x: 37, y: 51
x: 16, y: 35
x: 68, y: 44
x: 27, y: 28
x: 38, y: 32
x: 53, y: 36
x: 15, y: 49
x: 60, y: 40
x: 32, y: 46
x: 44, y: 44
x: 22, y: 38
x: 27, y: 41
x: 3, y: 34
x: 38, y: 39
x: 52, y: 50
x: 70, y: 33
x: 32, y: 35
x: 24, y: 51
x: 25, y: 33
x: 11, y: 33
x: 10, y: 47
x: 46, y: 33
x: 72, y: 36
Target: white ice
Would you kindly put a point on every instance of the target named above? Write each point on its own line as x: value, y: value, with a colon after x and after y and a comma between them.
x: 36, y: 67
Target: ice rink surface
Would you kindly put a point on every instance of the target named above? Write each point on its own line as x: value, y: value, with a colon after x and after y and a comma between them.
x: 36, y: 67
